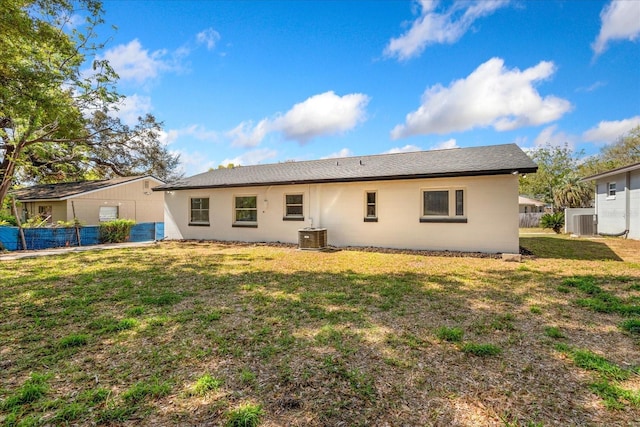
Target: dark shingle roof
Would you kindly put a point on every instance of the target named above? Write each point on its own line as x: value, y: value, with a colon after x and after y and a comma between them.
x: 67, y: 189
x: 489, y: 160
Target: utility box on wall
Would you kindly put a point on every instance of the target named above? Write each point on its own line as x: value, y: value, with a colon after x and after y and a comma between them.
x: 312, y: 238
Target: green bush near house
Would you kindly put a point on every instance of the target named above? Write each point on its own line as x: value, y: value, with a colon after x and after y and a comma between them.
x: 116, y: 231
x: 7, y: 219
x: 555, y: 221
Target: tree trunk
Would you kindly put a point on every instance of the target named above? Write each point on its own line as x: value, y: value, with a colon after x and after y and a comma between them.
x: 7, y: 170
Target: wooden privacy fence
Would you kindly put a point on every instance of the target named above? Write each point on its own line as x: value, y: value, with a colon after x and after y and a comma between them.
x: 56, y: 237
x: 530, y: 220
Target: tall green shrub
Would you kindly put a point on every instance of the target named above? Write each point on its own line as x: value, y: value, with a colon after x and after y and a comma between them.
x: 116, y: 231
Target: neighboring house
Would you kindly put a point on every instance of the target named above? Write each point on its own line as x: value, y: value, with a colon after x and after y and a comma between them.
x: 531, y: 211
x: 618, y: 201
x: 528, y: 205
x: 94, y: 201
x: 462, y: 199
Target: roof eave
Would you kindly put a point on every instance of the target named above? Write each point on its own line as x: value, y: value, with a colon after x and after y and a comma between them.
x: 611, y: 172
x: 46, y: 199
x: 93, y: 190
x: 510, y: 171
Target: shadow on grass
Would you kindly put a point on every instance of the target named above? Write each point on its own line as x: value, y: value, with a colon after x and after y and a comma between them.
x: 564, y: 248
x: 314, y: 347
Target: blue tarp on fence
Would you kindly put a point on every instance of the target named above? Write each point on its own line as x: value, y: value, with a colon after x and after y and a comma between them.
x: 46, y: 238
x: 9, y: 238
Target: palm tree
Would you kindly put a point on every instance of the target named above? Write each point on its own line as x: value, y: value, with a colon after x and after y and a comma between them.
x: 573, y: 194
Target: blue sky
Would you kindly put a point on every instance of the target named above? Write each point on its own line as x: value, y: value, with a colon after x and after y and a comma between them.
x: 251, y: 82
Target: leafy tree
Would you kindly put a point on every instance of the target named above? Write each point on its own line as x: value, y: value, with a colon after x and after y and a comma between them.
x: 625, y: 151
x: 113, y: 149
x: 227, y: 166
x: 556, y: 181
x: 56, y: 119
x: 573, y: 194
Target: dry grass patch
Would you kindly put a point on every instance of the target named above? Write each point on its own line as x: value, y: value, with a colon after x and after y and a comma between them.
x: 215, y: 334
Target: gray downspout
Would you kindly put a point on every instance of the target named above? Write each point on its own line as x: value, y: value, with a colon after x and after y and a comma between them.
x: 627, y: 194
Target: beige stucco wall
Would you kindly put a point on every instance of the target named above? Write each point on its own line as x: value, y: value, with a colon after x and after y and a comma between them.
x: 491, y: 207
x: 58, y: 210
x: 132, y: 199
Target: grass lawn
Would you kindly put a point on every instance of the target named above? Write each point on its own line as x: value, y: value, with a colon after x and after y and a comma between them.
x: 214, y: 334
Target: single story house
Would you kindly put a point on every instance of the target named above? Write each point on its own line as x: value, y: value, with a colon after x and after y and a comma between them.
x: 528, y: 205
x: 461, y: 199
x: 94, y: 201
x: 618, y: 201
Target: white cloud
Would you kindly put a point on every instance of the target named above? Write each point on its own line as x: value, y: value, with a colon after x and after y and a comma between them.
x: 446, y: 145
x: 134, y: 63
x: 620, y: 21
x: 252, y: 157
x: 71, y: 21
x: 550, y: 136
x: 323, y: 114
x: 132, y: 107
x: 591, y: 88
x: 196, y: 131
x: 345, y: 152
x: 208, y: 37
x: 319, y: 115
x: 406, y: 149
x: 199, y: 132
x: 609, y: 132
x: 168, y: 137
x: 247, y: 135
x: 192, y: 162
x: 520, y: 141
x: 490, y: 96
x: 433, y: 27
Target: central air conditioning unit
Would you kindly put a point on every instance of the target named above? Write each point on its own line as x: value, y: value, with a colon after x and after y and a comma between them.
x: 312, y: 238
x: 585, y: 225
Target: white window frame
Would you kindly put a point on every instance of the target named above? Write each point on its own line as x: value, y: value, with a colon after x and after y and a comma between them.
x: 293, y: 217
x: 107, y: 215
x: 611, y: 190
x: 452, y: 214
x: 367, y: 204
x: 244, y: 223
x: 201, y: 209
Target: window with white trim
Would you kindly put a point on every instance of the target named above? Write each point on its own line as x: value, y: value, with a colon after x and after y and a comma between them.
x: 611, y: 190
x: 443, y: 205
x: 108, y: 213
x: 293, y: 207
x: 245, y: 211
x: 371, y: 206
x: 199, y: 211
